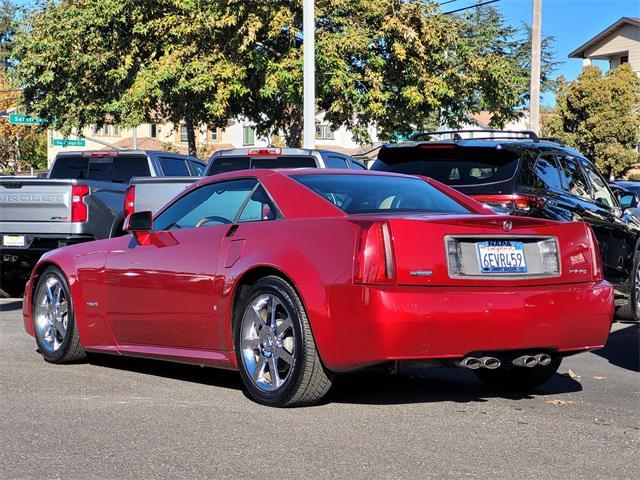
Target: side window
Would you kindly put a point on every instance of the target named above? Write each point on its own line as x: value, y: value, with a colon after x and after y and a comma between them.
x: 574, y: 180
x: 333, y: 161
x: 259, y: 207
x: 546, y: 170
x: 600, y: 191
x: 125, y: 167
x: 197, y: 167
x: 174, y: 167
x: 212, y: 204
x: 356, y: 165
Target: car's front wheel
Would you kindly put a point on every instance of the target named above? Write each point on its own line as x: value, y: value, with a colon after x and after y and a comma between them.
x: 631, y: 311
x: 519, y: 378
x: 276, y: 352
x: 53, y: 320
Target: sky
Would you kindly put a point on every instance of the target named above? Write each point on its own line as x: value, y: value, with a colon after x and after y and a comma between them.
x: 571, y: 22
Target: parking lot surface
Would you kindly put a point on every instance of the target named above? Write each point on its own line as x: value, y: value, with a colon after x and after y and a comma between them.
x: 131, y: 418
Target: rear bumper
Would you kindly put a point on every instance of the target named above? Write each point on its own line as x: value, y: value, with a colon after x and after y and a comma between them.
x: 355, y: 326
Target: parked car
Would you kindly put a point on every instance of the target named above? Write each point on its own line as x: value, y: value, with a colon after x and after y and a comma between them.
x: 629, y: 198
x: 152, y: 194
x: 80, y: 199
x: 292, y: 276
x: 520, y: 174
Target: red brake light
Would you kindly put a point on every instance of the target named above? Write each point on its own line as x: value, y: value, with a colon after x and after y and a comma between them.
x: 100, y: 154
x: 264, y: 151
x: 596, y: 258
x: 78, y: 207
x: 437, y: 147
x: 129, y: 200
x: 374, y: 260
x: 521, y: 203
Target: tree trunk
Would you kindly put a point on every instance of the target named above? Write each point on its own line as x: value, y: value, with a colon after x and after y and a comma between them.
x: 191, y: 137
x: 293, y: 134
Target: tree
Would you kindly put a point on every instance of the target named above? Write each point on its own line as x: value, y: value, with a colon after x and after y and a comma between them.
x: 599, y: 116
x: 398, y: 64
x: 124, y: 61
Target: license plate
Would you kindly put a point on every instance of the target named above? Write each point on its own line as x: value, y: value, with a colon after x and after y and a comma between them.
x: 499, y: 256
x: 13, y: 240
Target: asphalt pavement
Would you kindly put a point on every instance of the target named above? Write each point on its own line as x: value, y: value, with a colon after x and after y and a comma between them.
x: 130, y: 418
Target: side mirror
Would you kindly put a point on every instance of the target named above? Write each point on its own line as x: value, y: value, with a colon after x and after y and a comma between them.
x: 628, y: 200
x: 138, y: 222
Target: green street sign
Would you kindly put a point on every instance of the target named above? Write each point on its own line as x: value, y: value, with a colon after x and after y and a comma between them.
x: 65, y: 142
x: 18, y: 119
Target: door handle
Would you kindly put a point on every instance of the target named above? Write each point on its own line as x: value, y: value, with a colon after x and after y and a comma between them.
x: 232, y: 230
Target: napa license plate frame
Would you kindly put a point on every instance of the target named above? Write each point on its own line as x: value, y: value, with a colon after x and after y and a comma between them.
x: 501, y: 256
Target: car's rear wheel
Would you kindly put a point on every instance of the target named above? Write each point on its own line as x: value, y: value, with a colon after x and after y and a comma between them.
x: 53, y: 320
x: 276, y: 352
x: 519, y: 378
x: 631, y: 311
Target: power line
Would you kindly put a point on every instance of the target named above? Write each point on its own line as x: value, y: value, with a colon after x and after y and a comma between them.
x: 448, y: 1
x: 470, y: 7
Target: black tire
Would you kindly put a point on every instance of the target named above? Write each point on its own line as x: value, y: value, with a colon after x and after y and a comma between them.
x: 519, y: 378
x: 71, y: 349
x: 630, y: 311
x: 308, y: 380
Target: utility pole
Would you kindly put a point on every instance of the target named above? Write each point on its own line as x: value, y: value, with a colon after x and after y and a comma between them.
x: 536, y: 47
x: 134, y: 138
x: 309, y: 73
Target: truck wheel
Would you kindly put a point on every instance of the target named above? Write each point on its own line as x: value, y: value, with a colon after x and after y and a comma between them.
x: 53, y: 319
x: 519, y: 378
x: 276, y: 353
x: 631, y: 311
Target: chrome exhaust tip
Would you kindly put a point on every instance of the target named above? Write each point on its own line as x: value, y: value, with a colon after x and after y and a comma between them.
x: 490, y: 362
x: 527, y: 361
x: 543, y: 359
x: 472, y: 363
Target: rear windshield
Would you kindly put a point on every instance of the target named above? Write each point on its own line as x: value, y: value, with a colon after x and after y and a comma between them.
x: 230, y: 164
x: 456, y: 166
x: 376, y: 193
x: 118, y: 169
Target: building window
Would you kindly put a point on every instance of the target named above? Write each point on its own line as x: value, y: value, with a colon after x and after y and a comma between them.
x: 94, y: 129
x: 116, y: 131
x: 248, y: 135
x: 214, y: 134
x: 624, y: 59
x: 324, y: 132
x: 153, y: 130
x: 106, y: 131
x: 184, y: 136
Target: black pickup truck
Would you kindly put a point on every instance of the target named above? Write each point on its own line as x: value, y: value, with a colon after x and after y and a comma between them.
x: 81, y: 199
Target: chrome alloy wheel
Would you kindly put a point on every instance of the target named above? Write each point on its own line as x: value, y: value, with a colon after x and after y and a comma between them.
x: 267, y: 342
x: 51, y: 313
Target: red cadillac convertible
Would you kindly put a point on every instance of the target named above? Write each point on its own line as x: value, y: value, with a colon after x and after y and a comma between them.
x: 294, y: 276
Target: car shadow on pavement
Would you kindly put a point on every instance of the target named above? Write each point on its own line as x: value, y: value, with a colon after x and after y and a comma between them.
x: 433, y: 385
x: 10, y: 306
x: 178, y: 371
x: 623, y: 348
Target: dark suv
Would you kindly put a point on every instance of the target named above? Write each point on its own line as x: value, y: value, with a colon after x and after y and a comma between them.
x: 520, y: 174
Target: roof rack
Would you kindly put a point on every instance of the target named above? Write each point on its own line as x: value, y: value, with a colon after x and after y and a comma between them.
x: 457, y: 137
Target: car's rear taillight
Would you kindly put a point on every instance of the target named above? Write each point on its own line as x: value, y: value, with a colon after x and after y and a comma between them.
x: 78, y: 207
x: 510, y: 203
x: 375, y: 259
x: 129, y: 200
x: 596, y: 256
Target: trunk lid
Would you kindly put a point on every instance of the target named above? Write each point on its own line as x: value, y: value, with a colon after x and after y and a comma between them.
x: 451, y: 250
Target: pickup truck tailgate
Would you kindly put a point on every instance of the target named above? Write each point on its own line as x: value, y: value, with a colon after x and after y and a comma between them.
x: 28, y: 203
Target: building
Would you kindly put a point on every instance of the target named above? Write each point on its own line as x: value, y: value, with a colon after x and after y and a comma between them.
x: 167, y: 136
x: 618, y: 44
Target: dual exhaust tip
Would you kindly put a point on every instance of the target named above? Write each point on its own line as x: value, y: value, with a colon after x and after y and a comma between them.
x: 491, y: 363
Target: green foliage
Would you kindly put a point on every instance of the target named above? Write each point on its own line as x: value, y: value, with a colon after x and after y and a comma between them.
x: 398, y: 64
x: 634, y: 177
x: 599, y: 116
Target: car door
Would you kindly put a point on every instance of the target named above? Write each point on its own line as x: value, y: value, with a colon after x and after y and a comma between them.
x: 618, y: 259
x: 160, y: 291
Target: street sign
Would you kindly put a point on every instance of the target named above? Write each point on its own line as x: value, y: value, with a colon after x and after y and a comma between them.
x: 65, y: 142
x: 18, y: 119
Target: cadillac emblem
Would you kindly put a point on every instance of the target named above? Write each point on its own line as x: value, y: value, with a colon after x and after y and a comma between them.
x: 507, y: 225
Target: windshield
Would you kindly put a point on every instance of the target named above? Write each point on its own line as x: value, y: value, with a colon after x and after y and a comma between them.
x: 449, y: 164
x: 379, y: 193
